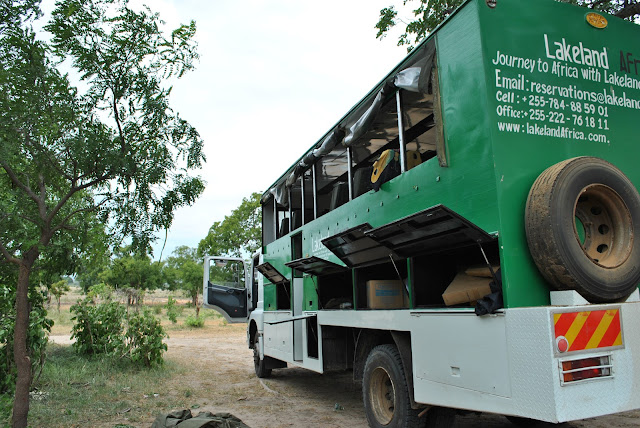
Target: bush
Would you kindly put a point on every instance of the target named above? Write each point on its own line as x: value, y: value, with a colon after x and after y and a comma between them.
x: 98, y: 329
x: 157, y: 310
x: 172, y: 310
x: 101, y: 329
x: 100, y: 291
x: 192, y: 321
x: 144, y: 339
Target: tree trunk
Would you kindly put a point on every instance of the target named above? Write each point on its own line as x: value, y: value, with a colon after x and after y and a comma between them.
x: 195, y: 304
x: 20, y: 352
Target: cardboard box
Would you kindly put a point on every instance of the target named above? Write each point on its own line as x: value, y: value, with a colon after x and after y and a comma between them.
x: 465, y: 288
x: 386, y: 294
x: 481, y: 271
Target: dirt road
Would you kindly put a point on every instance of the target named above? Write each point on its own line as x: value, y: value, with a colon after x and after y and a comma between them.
x: 222, y: 380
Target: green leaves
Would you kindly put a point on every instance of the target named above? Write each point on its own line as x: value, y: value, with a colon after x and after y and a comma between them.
x: 430, y: 13
x: 104, y: 329
x: 183, y: 270
x: 144, y: 339
x: 62, y: 157
x: 37, y: 335
x: 240, y: 233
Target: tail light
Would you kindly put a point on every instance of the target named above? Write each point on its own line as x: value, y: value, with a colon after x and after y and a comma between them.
x: 585, y: 368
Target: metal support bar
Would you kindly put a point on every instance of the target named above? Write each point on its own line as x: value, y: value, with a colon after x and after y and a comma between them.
x: 315, y: 191
x: 403, y: 148
x: 275, y: 219
x: 290, y: 209
x: 486, y: 259
x: 350, y: 173
x: 302, y: 192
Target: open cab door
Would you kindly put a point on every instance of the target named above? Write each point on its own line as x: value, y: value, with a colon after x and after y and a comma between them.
x: 225, y: 288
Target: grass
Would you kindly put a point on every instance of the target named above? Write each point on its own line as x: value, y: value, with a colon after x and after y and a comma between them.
x: 156, y: 300
x: 78, y: 391
x: 75, y: 390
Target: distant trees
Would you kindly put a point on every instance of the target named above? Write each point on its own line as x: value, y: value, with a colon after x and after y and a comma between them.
x: 133, y: 273
x: 239, y: 234
x: 58, y: 289
x: 183, y: 270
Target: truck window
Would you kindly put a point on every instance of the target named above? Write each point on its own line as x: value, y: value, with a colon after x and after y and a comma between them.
x: 226, y: 273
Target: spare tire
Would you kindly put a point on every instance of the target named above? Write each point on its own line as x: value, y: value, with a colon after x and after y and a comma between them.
x: 580, y: 220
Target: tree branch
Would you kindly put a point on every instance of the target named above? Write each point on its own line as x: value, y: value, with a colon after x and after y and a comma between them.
x: 42, y: 205
x: 47, y: 153
x: 15, y: 180
x: 7, y: 255
x: 116, y: 114
x: 63, y: 224
x: 629, y: 11
x: 72, y: 192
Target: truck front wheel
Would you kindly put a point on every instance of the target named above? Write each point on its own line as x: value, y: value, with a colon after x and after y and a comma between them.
x: 259, y: 363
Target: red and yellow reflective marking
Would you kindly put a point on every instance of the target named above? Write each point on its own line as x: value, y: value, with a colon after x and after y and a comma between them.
x: 589, y: 329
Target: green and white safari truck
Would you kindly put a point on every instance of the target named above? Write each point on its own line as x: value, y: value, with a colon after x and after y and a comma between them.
x: 464, y: 238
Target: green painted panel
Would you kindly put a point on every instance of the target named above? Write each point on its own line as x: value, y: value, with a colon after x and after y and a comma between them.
x: 534, y: 90
x: 269, y: 297
x: 517, y: 95
x: 310, y: 294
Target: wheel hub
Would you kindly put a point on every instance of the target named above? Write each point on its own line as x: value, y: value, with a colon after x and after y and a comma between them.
x: 383, y: 395
x: 603, y: 226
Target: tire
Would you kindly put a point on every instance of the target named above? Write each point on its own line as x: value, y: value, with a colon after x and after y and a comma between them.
x: 384, y: 390
x: 580, y: 220
x: 259, y: 364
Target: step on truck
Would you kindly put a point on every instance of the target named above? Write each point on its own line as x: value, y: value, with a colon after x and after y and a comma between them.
x: 467, y: 236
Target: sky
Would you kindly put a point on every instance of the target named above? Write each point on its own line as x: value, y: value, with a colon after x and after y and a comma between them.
x: 273, y: 77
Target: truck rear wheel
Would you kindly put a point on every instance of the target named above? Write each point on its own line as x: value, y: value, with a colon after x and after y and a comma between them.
x: 386, y: 395
x: 580, y: 220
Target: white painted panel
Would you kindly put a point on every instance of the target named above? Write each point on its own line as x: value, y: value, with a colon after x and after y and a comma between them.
x: 278, y: 341
x: 464, y: 351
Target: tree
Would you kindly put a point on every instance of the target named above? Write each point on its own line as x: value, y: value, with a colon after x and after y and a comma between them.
x: 183, y: 270
x: 240, y: 233
x: 430, y: 13
x: 133, y: 274
x: 116, y: 151
x: 58, y: 289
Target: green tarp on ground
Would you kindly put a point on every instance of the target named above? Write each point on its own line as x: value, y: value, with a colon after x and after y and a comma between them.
x: 184, y: 419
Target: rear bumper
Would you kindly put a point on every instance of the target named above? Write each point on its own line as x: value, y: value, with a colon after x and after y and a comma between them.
x: 509, y: 364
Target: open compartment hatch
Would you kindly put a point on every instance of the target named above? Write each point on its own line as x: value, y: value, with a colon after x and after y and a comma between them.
x: 355, y: 248
x: 272, y: 274
x: 315, y: 266
x: 434, y: 230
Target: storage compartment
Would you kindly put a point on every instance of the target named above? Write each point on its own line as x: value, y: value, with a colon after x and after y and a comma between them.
x: 283, y: 296
x: 384, y: 272
x: 432, y: 274
x: 466, y: 289
x: 386, y: 294
x: 335, y: 291
x: 312, y: 337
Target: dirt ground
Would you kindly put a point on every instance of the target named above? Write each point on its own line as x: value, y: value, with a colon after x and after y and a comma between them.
x: 222, y: 380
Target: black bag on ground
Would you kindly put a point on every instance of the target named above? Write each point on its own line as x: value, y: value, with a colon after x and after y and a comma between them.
x: 184, y: 419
